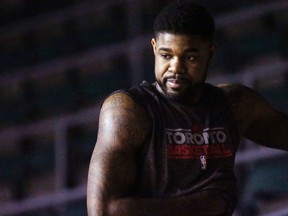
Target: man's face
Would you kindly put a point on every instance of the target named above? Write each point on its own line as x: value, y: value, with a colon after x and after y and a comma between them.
x: 181, y: 63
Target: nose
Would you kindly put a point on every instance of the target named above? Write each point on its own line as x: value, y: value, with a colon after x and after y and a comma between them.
x: 177, y: 66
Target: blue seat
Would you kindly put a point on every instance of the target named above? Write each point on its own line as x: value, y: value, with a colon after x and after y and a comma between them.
x: 12, y: 112
x: 76, y: 209
x: 258, y: 44
x: 98, y: 37
x: 103, y: 84
x: 56, y: 48
x: 11, y: 169
x: 18, y: 58
x: 40, y: 160
x: 56, y: 99
x: 267, y: 180
x: 269, y: 177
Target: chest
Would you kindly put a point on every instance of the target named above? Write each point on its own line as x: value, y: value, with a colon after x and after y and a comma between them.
x: 196, y: 132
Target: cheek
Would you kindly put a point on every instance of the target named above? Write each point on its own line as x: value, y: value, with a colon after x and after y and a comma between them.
x: 159, y: 69
x: 198, y: 71
x: 158, y: 73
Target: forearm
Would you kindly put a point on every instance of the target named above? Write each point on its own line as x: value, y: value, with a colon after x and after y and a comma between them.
x: 200, y: 204
x: 103, y: 185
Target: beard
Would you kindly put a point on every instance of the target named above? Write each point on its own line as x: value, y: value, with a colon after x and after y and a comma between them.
x: 189, y: 94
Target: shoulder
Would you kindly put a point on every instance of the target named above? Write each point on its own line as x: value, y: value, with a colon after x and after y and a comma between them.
x: 238, y: 94
x: 122, y: 119
x: 119, y: 100
x: 257, y: 119
x: 246, y: 104
x: 121, y: 104
x: 232, y: 89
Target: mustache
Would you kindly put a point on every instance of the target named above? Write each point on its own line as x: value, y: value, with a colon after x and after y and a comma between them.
x: 177, y: 77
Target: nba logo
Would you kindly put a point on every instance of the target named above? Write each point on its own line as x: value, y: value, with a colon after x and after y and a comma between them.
x: 203, y: 162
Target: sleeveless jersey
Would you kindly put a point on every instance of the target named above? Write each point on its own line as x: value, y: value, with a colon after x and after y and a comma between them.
x: 190, y: 148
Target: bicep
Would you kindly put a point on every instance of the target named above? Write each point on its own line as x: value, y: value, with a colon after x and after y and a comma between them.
x: 113, y: 166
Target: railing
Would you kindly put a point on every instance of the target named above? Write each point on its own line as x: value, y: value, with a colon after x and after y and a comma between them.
x: 251, y: 12
x: 44, y: 201
x: 279, y: 212
x: 58, y: 16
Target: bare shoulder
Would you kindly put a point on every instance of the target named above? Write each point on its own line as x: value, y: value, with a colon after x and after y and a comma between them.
x: 124, y: 107
x: 119, y: 100
x: 122, y: 121
x: 236, y: 89
x: 257, y: 119
x: 242, y: 96
x: 246, y: 104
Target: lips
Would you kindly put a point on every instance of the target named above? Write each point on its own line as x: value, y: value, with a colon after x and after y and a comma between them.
x: 176, y: 83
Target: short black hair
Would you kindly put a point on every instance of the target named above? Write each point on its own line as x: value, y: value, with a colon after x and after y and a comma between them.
x: 184, y: 17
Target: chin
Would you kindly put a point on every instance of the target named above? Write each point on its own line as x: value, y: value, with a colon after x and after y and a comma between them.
x: 180, y: 95
x: 177, y: 96
x: 185, y: 95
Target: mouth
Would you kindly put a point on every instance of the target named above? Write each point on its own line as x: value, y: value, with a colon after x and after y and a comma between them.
x: 176, y: 82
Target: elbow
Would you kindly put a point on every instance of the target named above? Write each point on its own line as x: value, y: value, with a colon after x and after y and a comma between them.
x: 95, y: 207
x: 117, y: 207
x: 111, y: 208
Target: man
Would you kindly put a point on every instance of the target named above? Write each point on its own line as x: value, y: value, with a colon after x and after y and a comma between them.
x: 168, y: 148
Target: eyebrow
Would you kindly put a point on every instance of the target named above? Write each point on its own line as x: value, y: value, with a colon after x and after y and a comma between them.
x: 186, y: 50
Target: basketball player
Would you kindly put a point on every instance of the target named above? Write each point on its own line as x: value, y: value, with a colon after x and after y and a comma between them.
x: 168, y: 148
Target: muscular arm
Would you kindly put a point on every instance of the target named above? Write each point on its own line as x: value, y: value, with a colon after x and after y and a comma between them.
x: 113, y: 167
x: 123, y: 128
x: 257, y: 119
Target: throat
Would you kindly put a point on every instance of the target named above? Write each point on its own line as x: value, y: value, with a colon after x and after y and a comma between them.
x: 187, y: 98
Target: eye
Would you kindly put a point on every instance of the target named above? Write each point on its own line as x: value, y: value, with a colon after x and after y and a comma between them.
x: 165, y: 56
x: 190, y: 58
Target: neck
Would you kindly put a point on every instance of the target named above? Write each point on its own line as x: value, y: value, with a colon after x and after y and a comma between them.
x: 187, y: 99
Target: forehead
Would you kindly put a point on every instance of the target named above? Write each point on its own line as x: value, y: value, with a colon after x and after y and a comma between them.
x: 179, y: 41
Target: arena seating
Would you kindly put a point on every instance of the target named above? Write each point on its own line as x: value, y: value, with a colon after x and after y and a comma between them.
x: 60, y: 60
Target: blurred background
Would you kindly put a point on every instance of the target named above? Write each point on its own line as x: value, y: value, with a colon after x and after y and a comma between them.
x: 59, y: 59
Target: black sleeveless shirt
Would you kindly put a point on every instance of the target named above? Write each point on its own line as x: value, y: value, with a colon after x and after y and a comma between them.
x: 190, y: 148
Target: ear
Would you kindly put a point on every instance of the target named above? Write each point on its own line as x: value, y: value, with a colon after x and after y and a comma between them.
x: 154, y: 44
x: 213, y: 48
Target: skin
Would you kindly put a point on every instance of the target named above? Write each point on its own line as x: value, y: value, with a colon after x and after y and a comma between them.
x: 181, y: 64
x: 257, y: 120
